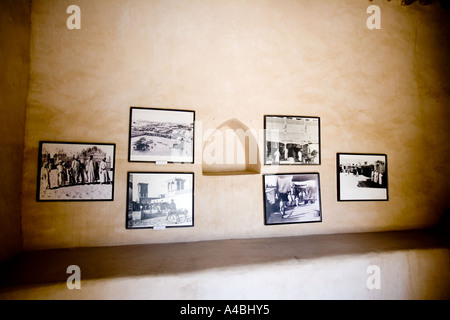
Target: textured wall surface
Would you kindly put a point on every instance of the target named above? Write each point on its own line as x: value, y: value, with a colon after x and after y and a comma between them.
x: 14, y: 70
x: 376, y: 91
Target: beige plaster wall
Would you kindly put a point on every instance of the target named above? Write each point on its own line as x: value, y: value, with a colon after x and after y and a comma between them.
x: 376, y: 91
x: 14, y: 70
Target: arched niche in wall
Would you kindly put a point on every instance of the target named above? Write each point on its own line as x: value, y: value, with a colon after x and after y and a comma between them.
x: 231, y: 149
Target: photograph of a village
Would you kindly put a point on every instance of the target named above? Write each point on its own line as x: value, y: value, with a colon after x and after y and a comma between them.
x: 75, y: 171
x: 161, y: 135
x: 160, y: 200
x: 292, y: 140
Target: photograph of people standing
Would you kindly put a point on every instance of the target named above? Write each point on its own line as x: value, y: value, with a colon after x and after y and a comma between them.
x: 75, y: 171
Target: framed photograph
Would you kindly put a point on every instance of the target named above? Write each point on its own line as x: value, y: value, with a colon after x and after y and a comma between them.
x: 161, y: 135
x: 362, y: 177
x: 160, y: 200
x: 69, y: 171
x: 292, y: 198
x: 291, y: 140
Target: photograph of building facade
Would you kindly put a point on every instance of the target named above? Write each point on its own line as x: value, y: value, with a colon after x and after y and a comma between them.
x: 159, y: 199
x: 292, y: 140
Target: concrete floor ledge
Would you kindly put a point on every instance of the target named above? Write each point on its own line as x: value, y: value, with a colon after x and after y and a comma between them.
x: 408, y: 264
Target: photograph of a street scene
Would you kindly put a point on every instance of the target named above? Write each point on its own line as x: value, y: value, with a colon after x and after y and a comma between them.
x: 292, y: 140
x: 75, y: 171
x: 362, y: 177
x: 161, y: 135
x: 292, y: 198
x: 160, y: 200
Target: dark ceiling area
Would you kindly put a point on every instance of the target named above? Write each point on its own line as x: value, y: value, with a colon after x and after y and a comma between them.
x: 444, y: 3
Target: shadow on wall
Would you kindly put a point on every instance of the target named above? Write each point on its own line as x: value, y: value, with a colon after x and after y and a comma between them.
x: 443, y: 225
x: 49, y: 266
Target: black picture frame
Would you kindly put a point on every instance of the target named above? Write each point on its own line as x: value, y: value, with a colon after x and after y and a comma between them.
x: 160, y: 200
x: 362, y: 177
x: 291, y: 198
x: 75, y: 171
x: 161, y: 135
x: 291, y: 140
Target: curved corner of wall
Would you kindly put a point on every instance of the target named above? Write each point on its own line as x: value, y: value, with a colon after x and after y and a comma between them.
x: 14, y: 68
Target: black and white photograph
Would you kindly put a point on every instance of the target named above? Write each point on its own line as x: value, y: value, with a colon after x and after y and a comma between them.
x: 160, y: 200
x: 69, y: 171
x: 161, y: 135
x: 362, y: 177
x: 291, y: 140
x: 292, y: 198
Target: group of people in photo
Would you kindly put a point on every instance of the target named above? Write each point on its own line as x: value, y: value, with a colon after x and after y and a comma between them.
x: 294, y: 153
x: 288, y: 193
x: 57, y: 173
x: 375, y: 172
